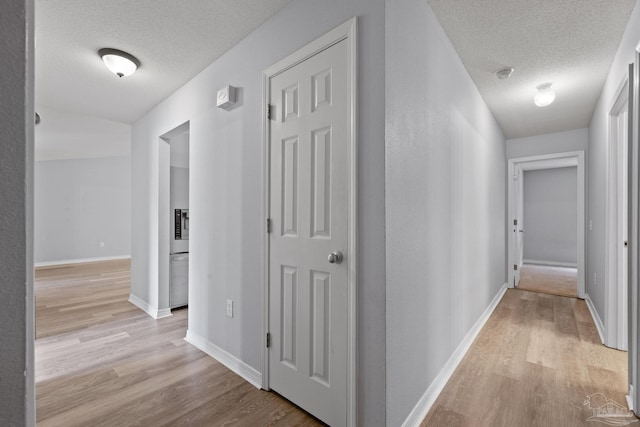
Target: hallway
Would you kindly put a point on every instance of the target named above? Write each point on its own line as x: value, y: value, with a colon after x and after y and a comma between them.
x: 538, y: 361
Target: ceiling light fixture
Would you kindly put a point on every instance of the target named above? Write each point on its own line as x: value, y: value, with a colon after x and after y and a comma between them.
x: 504, y: 73
x: 545, y: 96
x: 118, y: 62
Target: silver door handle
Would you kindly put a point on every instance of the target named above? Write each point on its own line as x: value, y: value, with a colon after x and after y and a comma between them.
x: 522, y: 231
x: 335, y: 257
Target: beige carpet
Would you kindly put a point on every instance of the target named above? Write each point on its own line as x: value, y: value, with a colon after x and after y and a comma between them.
x: 562, y: 281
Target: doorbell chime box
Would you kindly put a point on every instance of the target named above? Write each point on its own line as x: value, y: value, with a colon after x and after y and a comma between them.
x: 226, y: 97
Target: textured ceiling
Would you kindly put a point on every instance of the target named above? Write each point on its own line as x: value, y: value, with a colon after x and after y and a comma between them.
x: 570, y: 43
x: 174, y: 40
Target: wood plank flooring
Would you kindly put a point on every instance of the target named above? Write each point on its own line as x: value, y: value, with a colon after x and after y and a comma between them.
x: 562, y: 281
x: 536, y: 362
x: 100, y: 361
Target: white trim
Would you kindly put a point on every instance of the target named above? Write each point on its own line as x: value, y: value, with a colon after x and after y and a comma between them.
x: 251, y: 375
x: 348, y: 32
x: 163, y: 312
x: 550, y: 161
x: 595, y: 316
x: 420, y: 410
x: 147, y: 308
x: 612, y: 267
x: 538, y: 163
x: 634, y: 241
x: 163, y: 173
x: 629, y: 398
x: 266, y: 199
x: 80, y: 261
x: 550, y: 263
x: 352, y: 238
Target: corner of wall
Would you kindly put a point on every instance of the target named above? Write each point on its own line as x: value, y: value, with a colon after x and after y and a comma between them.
x: 251, y: 375
x: 596, y: 317
x: 422, y: 407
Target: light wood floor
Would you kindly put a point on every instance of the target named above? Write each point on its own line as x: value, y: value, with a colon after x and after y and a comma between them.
x: 100, y: 361
x: 535, y: 363
x: 561, y: 281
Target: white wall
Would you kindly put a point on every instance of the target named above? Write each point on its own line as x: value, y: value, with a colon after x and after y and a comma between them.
x: 80, y: 203
x: 597, y: 163
x: 65, y: 135
x: 445, y: 203
x: 179, y: 150
x: 17, y: 399
x: 550, y: 215
x: 226, y: 189
x: 550, y: 143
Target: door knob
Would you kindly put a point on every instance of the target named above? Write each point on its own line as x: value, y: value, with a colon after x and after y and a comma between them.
x: 335, y: 257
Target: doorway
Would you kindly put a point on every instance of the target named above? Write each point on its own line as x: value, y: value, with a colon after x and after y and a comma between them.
x: 517, y: 170
x: 309, y: 296
x: 173, y: 220
x: 549, y: 244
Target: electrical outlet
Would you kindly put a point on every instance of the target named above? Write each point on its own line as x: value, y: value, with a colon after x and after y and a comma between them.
x: 229, y: 308
x: 595, y: 278
x: 590, y: 225
x: 102, y: 244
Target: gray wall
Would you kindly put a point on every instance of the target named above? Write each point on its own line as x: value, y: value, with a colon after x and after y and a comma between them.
x: 226, y: 189
x: 597, y: 167
x: 445, y: 203
x: 16, y: 208
x: 550, y: 213
x: 559, y: 142
x: 80, y: 203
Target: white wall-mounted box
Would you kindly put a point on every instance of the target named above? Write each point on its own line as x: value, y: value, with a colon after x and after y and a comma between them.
x: 226, y: 96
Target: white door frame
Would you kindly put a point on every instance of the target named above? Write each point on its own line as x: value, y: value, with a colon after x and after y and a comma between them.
x: 348, y: 32
x: 158, y: 305
x: 549, y: 161
x: 634, y: 238
x: 614, y: 296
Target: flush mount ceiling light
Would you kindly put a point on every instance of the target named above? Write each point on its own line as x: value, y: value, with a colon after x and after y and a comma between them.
x: 504, y: 73
x: 118, y: 62
x: 545, y: 96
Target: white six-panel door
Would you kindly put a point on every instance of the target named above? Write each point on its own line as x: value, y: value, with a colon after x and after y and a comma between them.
x: 309, y: 200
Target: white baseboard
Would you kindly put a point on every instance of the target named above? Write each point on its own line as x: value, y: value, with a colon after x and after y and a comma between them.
x: 251, y: 375
x: 427, y: 400
x: 147, y: 308
x: 80, y: 261
x: 163, y: 312
x: 595, y: 316
x: 550, y: 263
